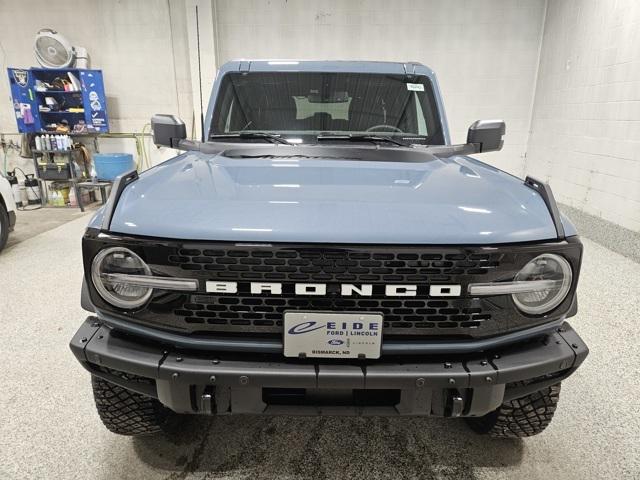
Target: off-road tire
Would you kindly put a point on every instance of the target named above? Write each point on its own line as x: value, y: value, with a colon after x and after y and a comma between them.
x: 128, y: 413
x: 4, y: 225
x: 522, y: 417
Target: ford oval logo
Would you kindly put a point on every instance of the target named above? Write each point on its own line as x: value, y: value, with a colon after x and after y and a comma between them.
x: 304, y: 327
x: 335, y: 341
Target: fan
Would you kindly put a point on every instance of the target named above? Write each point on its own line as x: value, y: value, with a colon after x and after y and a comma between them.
x: 54, y: 51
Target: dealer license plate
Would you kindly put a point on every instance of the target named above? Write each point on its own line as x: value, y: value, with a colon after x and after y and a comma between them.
x: 332, y: 334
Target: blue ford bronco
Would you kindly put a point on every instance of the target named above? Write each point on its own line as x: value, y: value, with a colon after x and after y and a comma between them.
x: 325, y: 249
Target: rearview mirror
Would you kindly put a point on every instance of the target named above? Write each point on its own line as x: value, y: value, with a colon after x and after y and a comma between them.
x: 168, y: 130
x: 486, y: 135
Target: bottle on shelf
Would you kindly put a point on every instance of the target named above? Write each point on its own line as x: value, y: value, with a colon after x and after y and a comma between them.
x: 53, y: 142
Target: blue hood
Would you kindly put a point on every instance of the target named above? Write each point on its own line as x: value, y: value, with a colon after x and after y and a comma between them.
x: 457, y: 200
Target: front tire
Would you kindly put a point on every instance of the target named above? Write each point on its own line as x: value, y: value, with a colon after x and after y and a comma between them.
x: 128, y: 413
x: 522, y: 417
x: 4, y: 226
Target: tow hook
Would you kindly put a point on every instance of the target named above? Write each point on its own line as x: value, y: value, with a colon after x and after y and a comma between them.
x: 456, y: 404
x: 207, y: 402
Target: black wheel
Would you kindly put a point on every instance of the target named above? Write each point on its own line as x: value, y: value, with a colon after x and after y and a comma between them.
x: 128, y: 413
x: 4, y: 226
x: 522, y: 417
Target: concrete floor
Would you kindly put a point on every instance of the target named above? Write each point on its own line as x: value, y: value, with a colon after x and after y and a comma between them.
x: 49, y: 428
x: 30, y: 223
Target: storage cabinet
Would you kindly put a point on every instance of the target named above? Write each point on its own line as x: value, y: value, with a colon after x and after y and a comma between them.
x: 46, y: 99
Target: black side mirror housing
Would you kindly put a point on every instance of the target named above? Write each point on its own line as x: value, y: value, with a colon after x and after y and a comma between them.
x: 168, y: 130
x: 486, y: 135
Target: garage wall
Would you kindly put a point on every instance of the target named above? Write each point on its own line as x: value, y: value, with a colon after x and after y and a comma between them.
x: 140, y: 45
x: 567, y: 81
x: 147, y: 51
x: 480, y: 74
x: 586, y: 123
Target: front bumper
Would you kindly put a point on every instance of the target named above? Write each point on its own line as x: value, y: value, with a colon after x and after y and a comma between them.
x: 445, y: 385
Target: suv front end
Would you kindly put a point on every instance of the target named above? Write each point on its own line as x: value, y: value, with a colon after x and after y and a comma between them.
x: 357, y: 273
x: 461, y: 354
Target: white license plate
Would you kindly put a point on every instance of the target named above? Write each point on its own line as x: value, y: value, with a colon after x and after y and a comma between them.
x: 332, y: 334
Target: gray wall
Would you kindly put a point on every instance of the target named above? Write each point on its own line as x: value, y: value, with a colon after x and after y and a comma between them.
x: 586, y: 123
x: 485, y: 52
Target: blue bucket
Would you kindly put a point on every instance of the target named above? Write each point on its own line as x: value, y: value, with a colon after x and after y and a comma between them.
x: 110, y: 165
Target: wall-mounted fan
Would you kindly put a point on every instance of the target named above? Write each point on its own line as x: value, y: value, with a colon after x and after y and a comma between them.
x: 53, y: 50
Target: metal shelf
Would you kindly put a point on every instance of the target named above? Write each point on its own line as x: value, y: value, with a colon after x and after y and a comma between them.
x: 73, y: 180
x: 61, y: 112
x: 91, y: 94
x: 57, y: 91
x: 55, y: 151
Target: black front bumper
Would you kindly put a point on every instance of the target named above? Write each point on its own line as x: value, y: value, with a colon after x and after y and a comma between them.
x: 207, y: 383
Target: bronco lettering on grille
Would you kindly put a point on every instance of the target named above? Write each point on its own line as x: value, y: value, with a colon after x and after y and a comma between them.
x: 344, y: 289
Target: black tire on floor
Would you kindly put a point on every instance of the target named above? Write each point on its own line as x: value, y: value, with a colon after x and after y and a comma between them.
x: 4, y: 226
x: 128, y: 413
x: 522, y: 417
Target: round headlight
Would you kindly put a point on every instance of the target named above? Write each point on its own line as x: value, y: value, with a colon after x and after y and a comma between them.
x: 106, y: 267
x: 556, y: 271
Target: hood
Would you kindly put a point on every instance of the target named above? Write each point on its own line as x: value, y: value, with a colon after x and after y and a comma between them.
x: 311, y: 199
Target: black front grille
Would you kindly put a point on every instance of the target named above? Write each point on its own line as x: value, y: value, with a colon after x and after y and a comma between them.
x: 334, y: 265
x: 244, y: 313
x: 420, y: 315
x: 265, y: 313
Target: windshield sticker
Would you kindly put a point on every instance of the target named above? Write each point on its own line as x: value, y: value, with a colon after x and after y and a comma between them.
x: 415, y: 87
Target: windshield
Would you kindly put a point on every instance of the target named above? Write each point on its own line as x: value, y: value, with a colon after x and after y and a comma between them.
x: 302, y: 105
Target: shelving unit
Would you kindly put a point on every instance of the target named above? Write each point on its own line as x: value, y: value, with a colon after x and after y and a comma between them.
x: 69, y: 173
x: 28, y: 99
x: 83, y: 90
x: 79, y: 184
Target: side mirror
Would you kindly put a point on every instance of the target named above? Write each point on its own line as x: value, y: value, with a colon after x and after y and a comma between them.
x: 486, y: 135
x: 168, y: 130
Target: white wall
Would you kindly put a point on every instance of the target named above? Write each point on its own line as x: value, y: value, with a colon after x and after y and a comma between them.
x: 580, y: 131
x: 485, y: 52
x: 586, y: 125
x: 140, y: 45
x: 147, y: 52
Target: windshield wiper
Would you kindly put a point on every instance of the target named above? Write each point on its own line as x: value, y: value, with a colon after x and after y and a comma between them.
x: 363, y: 138
x: 269, y: 137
